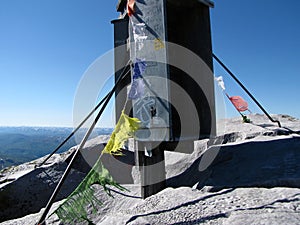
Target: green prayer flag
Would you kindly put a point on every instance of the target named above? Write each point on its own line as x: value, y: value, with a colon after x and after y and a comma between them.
x: 74, y: 207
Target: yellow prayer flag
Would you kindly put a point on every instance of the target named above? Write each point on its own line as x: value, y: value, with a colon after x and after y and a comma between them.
x: 125, y: 129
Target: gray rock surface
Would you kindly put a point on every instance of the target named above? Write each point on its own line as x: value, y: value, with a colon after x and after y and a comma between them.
x: 26, y: 189
x: 250, y: 174
x: 185, y: 205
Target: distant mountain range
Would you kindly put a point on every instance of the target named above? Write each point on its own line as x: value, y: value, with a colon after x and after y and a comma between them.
x: 23, y: 144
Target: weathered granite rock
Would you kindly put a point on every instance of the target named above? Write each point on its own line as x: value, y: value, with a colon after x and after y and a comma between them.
x: 191, y: 206
x: 250, y: 174
x: 30, y: 192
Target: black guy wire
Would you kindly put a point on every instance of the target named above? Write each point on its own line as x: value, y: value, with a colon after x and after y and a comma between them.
x: 77, y: 128
x: 68, y: 169
x: 73, y: 132
x: 245, y: 89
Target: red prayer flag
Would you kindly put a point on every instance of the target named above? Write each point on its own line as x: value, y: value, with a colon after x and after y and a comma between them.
x: 130, y: 7
x: 239, y: 103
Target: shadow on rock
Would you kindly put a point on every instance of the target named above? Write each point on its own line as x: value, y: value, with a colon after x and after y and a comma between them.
x: 251, y: 164
x: 30, y: 193
x: 179, y: 206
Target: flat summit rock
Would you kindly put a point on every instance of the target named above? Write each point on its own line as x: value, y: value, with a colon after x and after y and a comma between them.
x: 249, y: 174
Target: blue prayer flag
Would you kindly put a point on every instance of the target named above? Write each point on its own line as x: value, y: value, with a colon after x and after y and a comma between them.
x: 137, y: 89
x: 139, y: 68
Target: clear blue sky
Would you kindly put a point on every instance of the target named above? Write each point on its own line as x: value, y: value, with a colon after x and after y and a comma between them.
x: 46, y: 46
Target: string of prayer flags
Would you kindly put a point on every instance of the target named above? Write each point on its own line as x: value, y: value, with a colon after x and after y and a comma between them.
x: 238, y: 102
x: 137, y: 89
x: 130, y: 7
x: 74, y: 208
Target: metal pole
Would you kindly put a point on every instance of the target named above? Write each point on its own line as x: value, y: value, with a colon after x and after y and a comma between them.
x: 152, y: 168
